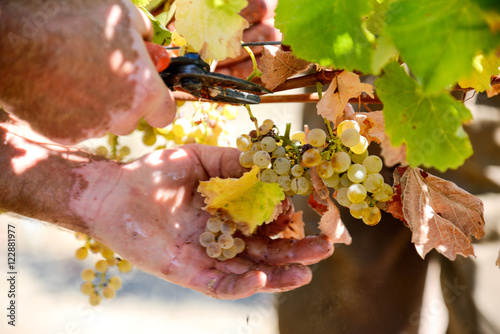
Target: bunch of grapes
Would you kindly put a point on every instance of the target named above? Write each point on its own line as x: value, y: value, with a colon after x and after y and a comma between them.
x: 341, y: 161
x: 98, y: 282
x: 219, y: 239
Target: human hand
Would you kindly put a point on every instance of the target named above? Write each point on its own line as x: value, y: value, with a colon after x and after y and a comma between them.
x: 152, y: 216
x: 83, y: 73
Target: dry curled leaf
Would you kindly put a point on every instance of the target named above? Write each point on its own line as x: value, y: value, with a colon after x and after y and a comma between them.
x: 344, y: 86
x: 439, y: 213
x: 278, y: 65
x: 392, y: 155
x: 295, y: 229
x: 372, y: 125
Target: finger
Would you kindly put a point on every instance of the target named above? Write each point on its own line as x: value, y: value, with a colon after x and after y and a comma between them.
x: 219, y: 161
x: 229, y: 286
x: 308, y: 250
x: 141, y: 22
x: 162, y: 109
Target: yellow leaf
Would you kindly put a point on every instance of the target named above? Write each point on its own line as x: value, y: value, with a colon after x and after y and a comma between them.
x: 247, y: 201
x: 212, y: 27
x: 483, y: 68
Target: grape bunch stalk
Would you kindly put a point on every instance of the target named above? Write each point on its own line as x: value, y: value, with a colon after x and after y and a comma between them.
x: 341, y: 161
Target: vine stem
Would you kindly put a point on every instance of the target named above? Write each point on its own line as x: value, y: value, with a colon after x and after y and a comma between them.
x: 256, y: 72
x: 253, y: 119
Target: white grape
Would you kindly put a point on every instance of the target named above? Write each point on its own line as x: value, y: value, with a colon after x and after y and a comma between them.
x: 230, y: 252
x: 297, y: 170
x: 261, y: 159
x: 373, y: 164
x: 206, y: 238
x: 311, y: 157
x: 228, y: 227
x: 246, y: 159
x: 324, y: 169
x: 264, y: 129
x: 384, y: 195
x: 344, y: 180
x: 356, y: 193
x: 239, y: 244
x: 255, y: 147
x: 225, y: 240
x: 268, y: 176
x: 181, y: 127
x: 372, y: 216
x: 332, y: 181
x: 342, y: 198
x: 214, y: 224
x: 244, y: 142
x: 373, y: 182
x: 358, y: 210
x: 268, y: 144
x: 358, y: 158
x: 300, y: 185
x: 316, y: 137
x: 300, y: 136
x: 348, y: 124
x: 350, y: 137
x: 281, y: 166
x: 340, y: 161
x: 269, y: 123
x: 284, y: 182
x: 356, y: 173
x: 214, y: 250
x: 360, y: 147
x: 279, y: 152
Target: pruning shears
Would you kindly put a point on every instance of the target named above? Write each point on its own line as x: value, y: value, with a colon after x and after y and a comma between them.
x: 191, y: 74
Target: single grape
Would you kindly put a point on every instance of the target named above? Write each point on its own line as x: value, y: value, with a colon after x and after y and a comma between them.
x: 279, y: 152
x: 269, y: 123
x: 300, y: 136
x: 88, y: 274
x: 115, y: 282
x: 95, y: 299
x: 87, y: 288
x: 348, y: 124
x: 324, y: 169
x: 358, y: 158
x: 102, y: 151
x: 124, y: 266
x: 255, y: 147
x: 268, y: 176
x: 225, y: 240
x: 350, y: 137
x: 300, y: 185
x: 228, y: 227
x: 111, y: 262
x: 284, y: 182
x: 95, y: 247
x: 101, y: 266
x: 268, y: 144
x: 307, y: 174
x: 340, y: 161
x: 311, y: 157
x: 297, y: 170
x: 373, y: 164
x: 357, y: 173
x: 229, y: 253
x: 360, y: 147
x: 344, y: 180
x: 384, y: 195
x: 181, y: 127
x: 356, y: 193
x: 149, y: 138
x: 239, y: 245
x: 108, y: 292
x: 332, y: 181
x: 372, y: 216
x: 373, y: 182
x: 244, y: 142
x: 358, y: 210
x: 261, y: 159
x: 246, y: 159
x: 214, y: 250
x: 263, y: 129
x: 206, y: 238
x: 316, y: 137
x: 81, y: 253
x: 281, y: 166
x: 124, y: 151
x: 342, y: 198
x: 107, y: 252
x: 214, y: 224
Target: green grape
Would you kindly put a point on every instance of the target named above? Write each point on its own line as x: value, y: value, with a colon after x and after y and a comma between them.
x: 124, y: 266
x: 124, y: 151
x: 373, y: 164
x: 373, y: 182
x: 101, y: 151
x: 324, y: 169
x: 269, y: 123
x: 206, y: 238
x: 268, y: 144
x: 88, y: 274
x: 356, y: 173
x: 358, y: 210
x: 95, y: 299
x: 230, y: 252
x: 342, y: 198
x: 372, y: 216
x: 316, y: 137
x: 350, y: 137
x: 214, y: 250
x: 300, y: 136
x: 255, y: 147
x: 344, y: 180
x: 332, y: 181
x: 340, y: 161
x: 384, y: 195
x: 311, y: 157
x: 214, y: 224
x: 149, y: 138
x: 360, y: 147
x: 263, y: 129
x: 348, y: 124
x: 307, y: 174
x: 358, y: 158
x: 101, y: 266
x: 300, y: 185
x: 246, y: 159
x: 87, y: 288
x: 284, y: 182
x: 225, y: 241
x: 244, y: 142
x: 281, y: 166
x: 261, y: 159
x: 181, y: 127
x: 81, y: 253
x: 115, y: 282
x: 356, y: 193
x: 228, y: 227
x: 268, y: 176
x: 297, y: 170
x: 239, y: 245
x: 279, y: 152
x: 108, y: 292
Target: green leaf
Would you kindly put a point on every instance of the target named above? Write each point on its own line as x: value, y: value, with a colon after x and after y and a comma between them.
x: 141, y: 3
x: 429, y: 124
x: 330, y: 33
x: 438, y: 39
x: 162, y: 35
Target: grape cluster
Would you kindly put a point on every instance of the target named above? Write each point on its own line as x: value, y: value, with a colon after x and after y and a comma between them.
x: 98, y: 282
x: 219, y: 239
x: 341, y: 161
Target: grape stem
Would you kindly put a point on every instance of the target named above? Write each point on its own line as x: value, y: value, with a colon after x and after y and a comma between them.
x: 113, y: 141
x: 287, y: 142
x: 253, y: 119
x: 256, y: 72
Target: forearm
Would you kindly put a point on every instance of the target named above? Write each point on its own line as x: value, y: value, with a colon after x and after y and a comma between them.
x: 45, y: 181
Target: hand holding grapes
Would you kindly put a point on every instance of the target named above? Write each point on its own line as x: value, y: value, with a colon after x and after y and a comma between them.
x: 152, y: 216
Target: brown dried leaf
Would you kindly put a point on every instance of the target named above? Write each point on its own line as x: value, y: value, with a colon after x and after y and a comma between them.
x: 440, y: 214
x: 295, y: 229
x: 278, y: 65
x: 344, y: 86
x: 392, y: 155
x: 372, y: 125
